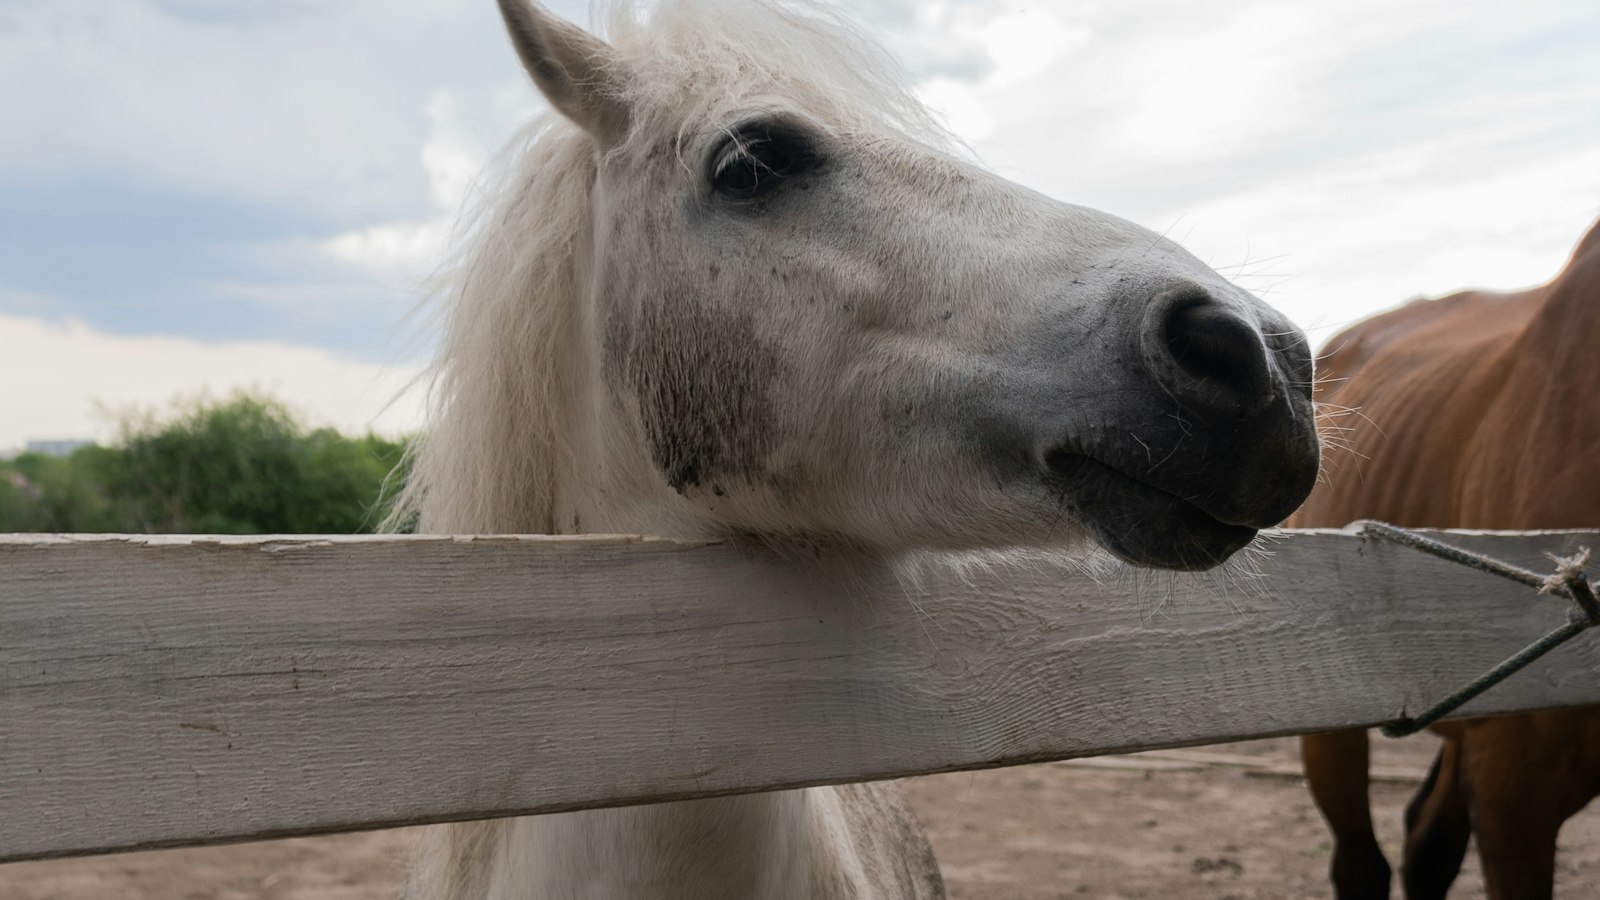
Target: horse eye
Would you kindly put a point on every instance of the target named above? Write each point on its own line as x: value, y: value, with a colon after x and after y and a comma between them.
x: 753, y: 161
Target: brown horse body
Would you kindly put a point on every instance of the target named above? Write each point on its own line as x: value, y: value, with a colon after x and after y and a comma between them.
x: 1473, y: 411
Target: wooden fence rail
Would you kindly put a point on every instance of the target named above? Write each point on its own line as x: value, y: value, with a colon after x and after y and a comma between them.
x: 170, y: 691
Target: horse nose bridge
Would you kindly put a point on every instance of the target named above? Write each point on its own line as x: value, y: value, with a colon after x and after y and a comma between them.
x: 1208, y: 350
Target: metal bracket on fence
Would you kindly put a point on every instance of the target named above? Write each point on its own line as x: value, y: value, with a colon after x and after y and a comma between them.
x: 1569, y: 581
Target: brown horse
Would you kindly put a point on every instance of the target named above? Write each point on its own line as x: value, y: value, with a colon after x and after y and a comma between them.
x: 1473, y: 412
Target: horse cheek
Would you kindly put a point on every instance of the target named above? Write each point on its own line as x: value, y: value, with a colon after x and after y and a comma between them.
x: 702, y: 378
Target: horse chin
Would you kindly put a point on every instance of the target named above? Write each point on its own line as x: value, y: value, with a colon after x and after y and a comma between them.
x: 1144, y: 525
x: 1197, y: 550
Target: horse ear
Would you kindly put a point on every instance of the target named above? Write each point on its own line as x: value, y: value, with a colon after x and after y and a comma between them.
x: 576, y: 71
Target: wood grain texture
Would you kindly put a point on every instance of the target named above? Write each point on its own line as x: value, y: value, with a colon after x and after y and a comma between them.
x: 169, y: 691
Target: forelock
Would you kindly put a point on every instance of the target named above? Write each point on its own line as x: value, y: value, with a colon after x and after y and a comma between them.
x: 693, y: 62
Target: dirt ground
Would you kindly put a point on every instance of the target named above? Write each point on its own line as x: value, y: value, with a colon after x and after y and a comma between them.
x: 1223, y: 823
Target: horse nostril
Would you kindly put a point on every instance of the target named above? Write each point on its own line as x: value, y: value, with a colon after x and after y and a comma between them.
x: 1213, y: 345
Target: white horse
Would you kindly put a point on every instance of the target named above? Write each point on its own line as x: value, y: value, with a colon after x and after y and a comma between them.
x: 738, y: 287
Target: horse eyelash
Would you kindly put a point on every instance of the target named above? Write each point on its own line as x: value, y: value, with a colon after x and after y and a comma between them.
x: 739, y: 149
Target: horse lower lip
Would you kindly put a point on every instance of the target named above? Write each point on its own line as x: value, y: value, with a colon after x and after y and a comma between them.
x: 1143, y: 524
x: 1074, y: 468
x: 1202, y: 549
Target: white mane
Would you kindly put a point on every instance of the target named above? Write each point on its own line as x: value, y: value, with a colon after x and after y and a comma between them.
x: 507, y: 299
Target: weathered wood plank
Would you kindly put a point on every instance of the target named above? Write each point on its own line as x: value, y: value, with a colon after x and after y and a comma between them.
x: 158, y: 692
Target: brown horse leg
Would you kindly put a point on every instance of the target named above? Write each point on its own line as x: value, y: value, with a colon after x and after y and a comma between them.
x: 1519, y: 864
x: 1437, y: 829
x: 1336, y: 771
x: 1515, y: 785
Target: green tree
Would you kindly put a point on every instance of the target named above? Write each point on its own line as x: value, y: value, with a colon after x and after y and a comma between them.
x: 47, y: 493
x: 243, y: 465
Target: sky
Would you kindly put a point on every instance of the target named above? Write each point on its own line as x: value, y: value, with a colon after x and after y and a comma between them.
x: 202, y: 195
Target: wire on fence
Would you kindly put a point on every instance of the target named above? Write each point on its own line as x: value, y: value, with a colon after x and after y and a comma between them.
x: 1569, y: 581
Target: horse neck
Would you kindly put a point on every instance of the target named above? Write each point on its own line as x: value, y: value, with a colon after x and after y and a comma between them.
x: 1560, y: 340
x: 1529, y: 419
x: 761, y: 845
x: 770, y: 845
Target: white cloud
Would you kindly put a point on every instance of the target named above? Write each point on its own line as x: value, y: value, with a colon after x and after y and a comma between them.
x: 402, y: 249
x: 310, y: 107
x: 62, y: 376
x: 464, y: 133
x: 1024, y: 45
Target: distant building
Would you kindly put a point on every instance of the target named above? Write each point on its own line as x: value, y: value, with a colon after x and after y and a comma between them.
x: 55, y: 448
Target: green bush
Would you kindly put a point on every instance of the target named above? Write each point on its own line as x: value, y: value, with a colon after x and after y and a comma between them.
x: 244, y: 465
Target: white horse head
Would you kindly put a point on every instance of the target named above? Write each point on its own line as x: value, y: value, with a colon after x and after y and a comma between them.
x: 739, y: 285
x: 744, y: 289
